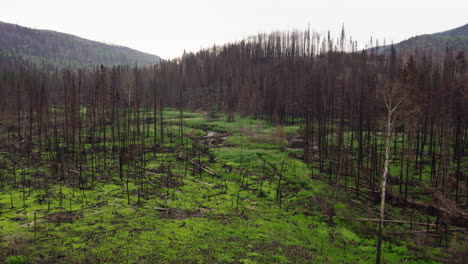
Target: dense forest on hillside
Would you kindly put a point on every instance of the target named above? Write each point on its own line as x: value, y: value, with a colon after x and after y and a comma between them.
x: 49, y: 49
x: 433, y: 45
x: 314, y: 128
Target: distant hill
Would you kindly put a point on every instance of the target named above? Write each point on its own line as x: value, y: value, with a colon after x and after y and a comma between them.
x: 456, y: 32
x: 53, y: 49
x: 434, y: 44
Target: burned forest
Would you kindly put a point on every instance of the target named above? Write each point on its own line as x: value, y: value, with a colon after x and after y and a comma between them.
x: 286, y: 147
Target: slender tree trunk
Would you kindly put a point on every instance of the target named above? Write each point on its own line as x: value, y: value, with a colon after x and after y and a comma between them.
x: 384, y: 183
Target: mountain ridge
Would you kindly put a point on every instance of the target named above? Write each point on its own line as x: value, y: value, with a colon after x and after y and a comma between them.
x: 53, y: 49
x: 434, y: 44
x: 459, y: 31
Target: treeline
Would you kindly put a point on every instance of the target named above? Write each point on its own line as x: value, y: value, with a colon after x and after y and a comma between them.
x: 325, y: 84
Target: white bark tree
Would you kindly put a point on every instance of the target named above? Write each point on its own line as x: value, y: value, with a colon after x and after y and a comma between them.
x: 393, y: 97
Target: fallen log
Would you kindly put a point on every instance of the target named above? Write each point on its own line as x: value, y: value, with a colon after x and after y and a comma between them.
x: 394, y: 221
x: 205, y: 183
x: 161, y: 209
x: 201, y: 166
x: 453, y: 216
x: 431, y: 233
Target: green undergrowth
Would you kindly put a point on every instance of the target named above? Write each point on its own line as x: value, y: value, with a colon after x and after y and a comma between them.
x: 252, y: 202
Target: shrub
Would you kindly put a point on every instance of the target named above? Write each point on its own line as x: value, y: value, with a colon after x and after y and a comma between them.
x: 16, y: 260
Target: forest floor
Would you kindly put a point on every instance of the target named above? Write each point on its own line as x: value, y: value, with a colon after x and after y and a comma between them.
x: 240, y: 195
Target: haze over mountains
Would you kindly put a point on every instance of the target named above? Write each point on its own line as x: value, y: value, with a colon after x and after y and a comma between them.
x: 436, y: 43
x: 52, y: 49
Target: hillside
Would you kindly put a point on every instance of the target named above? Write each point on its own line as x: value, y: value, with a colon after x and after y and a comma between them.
x: 54, y: 49
x: 435, y: 44
x: 456, y: 32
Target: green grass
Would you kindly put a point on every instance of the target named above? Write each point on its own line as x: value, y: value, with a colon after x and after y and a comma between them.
x: 232, y: 217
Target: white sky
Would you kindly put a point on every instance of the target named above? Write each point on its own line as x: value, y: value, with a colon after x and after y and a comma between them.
x: 166, y: 28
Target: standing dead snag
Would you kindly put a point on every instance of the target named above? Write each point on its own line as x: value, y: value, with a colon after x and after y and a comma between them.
x: 393, y: 97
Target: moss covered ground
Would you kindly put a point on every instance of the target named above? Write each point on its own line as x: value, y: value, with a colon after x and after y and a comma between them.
x: 250, y: 201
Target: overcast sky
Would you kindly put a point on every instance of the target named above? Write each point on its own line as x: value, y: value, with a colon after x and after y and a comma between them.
x: 166, y: 28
